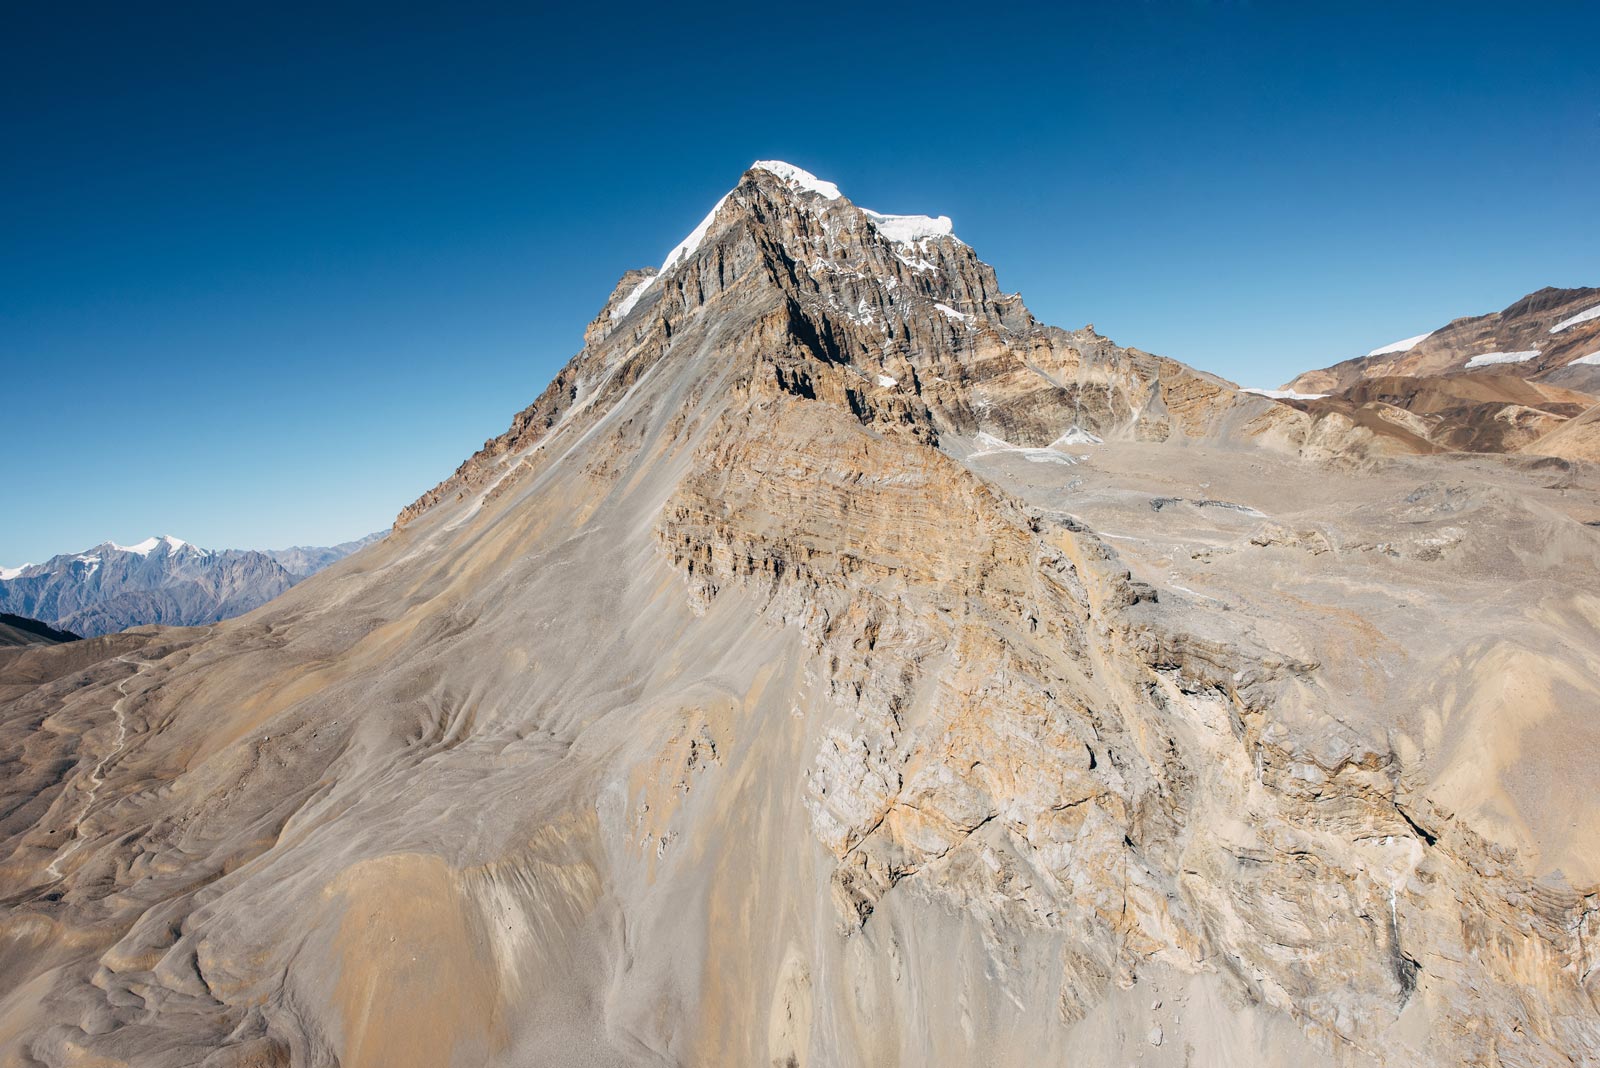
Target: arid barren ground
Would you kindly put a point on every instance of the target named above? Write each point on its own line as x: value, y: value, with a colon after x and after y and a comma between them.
x: 836, y: 666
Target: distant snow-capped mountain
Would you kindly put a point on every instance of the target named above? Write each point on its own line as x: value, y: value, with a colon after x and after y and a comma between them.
x: 111, y: 587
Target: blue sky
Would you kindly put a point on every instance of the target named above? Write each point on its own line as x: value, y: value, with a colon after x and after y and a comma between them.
x: 266, y: 275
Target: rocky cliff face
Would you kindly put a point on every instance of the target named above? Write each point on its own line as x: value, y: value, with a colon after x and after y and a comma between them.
x: 836, y: 666
x: 160, y: 580
x: 890, y: 317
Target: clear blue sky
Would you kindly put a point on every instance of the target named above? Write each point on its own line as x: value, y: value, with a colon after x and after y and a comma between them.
x: 267, y: 273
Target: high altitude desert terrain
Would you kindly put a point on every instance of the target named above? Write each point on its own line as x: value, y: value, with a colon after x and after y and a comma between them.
x: 835, y: 666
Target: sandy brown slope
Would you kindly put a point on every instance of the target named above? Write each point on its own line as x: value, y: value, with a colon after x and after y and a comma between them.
x: 739, y: 708
x: 1576, y: 439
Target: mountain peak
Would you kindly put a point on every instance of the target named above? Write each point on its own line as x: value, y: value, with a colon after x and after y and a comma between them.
x: 798, y: 178
x: 162, y: 579
x: 899, y: 229
x: 795, y: 178
x: 801, y: 190
x: 149, y: 545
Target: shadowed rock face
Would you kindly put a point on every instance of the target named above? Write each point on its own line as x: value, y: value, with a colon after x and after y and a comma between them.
x: 798, y: 681
x: 20, y: 630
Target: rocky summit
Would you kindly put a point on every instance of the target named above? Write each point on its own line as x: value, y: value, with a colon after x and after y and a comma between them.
x: 837, y: 666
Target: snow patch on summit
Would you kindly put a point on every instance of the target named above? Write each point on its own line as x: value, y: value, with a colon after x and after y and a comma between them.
x: 149, y: 545
x: 798, y: 177
x: 1405, y: 345
x: 143, y: 548
x: 909, y: 229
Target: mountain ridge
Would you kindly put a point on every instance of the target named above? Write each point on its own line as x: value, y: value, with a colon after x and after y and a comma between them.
x: 1552, y: 332
x: 1514, y: 381
x: 161, y: 580
x: 893, y: 274
x: 817, y: 675
x: 20, y: 630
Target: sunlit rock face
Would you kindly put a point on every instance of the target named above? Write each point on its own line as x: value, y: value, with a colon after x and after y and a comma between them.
x: 835, y: 666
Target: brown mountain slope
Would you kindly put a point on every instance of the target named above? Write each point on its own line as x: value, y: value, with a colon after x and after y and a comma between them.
x: 796, y: 683
x: 1487, y: 412
x: 1576, y: 439
x: 1539, y: 331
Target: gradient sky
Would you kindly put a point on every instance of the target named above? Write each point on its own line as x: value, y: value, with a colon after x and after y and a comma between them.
x: 267, y: 272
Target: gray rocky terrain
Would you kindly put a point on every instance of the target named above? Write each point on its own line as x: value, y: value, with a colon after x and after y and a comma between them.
x: 161, y: 580
x: 836, y: 666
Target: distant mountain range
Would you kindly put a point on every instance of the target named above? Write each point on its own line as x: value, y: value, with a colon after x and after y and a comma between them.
x: 166, y: 580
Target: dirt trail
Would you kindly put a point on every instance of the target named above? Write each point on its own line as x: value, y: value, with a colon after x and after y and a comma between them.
x: 97, y: 775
